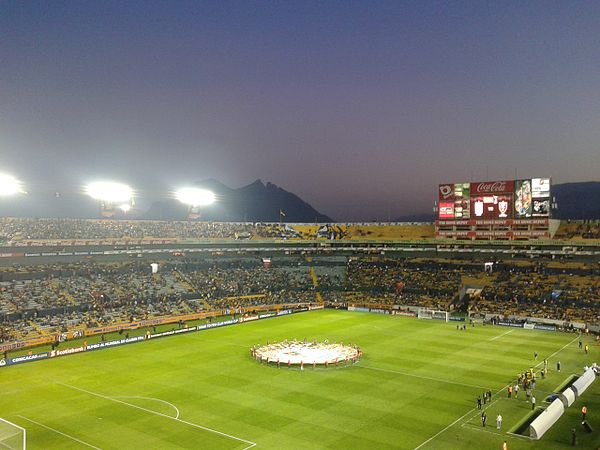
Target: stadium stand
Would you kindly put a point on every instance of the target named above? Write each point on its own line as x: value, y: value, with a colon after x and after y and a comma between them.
x: 24, y: 229
x: 53, y: 297
x: 588, y: 230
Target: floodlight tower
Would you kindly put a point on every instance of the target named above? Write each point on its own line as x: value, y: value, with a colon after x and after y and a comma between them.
x: 195, y: 198
x: 111, y: 196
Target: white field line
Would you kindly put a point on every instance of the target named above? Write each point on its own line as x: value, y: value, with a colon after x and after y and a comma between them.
x: 60, y: 432
x: 498, y: 433
x: 476, y: 428
x: 191, y: 424
x: 439, y: 380
x: 155, y: 399
x: 520, y: 436
x: 500, y: 335
x: 499, y: 390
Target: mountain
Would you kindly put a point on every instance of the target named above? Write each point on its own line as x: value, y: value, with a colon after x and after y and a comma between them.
x: 256, y: 202
x: 577, y: 200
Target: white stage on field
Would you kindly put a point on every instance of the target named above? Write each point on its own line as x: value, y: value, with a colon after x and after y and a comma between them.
x: 308, y: 353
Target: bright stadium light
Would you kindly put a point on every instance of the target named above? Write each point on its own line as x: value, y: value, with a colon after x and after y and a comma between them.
x: 9, y: 185
x: 195, y: 196
x: 109, y: 192
x: 125, y: 207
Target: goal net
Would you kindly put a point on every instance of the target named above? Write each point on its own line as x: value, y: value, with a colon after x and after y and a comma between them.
x: 12, y: 436
x: 425, y: 313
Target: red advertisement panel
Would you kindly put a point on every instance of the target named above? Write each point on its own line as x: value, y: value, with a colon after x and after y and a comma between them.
x: 446, y: 210
x: 445, y: 192
x: 492, y: 188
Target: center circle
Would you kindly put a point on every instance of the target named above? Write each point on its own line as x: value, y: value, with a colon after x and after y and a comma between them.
x: 309, y: 353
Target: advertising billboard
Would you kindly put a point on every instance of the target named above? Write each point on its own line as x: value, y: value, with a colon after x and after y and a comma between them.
x: 492, y: 187
x: 540, y: 192
x: 454, y: 201
x: 523, y: 199
x: 462, y: 204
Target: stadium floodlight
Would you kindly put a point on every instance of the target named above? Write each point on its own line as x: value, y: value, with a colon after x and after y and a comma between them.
x: 110, y: 192
x: 125, y: 207
x: 195, y: 196
x: 9, y: 185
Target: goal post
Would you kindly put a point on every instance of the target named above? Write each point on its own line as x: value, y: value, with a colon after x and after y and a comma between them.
x: 12, y: 436
x: 426, y: 313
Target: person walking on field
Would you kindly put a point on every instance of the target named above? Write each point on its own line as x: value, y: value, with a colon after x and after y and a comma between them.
x: 498, y: 421
x: 483, y: 418
x: 532, y: 402
x: 583, y: 412
x: 505, y: 446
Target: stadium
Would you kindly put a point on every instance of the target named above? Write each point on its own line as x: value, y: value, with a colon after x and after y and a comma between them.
x: 478, y: 329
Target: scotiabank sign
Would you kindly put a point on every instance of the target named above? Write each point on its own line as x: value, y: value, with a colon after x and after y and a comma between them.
x: 492, y: 187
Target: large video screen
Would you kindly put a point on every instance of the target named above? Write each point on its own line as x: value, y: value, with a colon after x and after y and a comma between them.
x: 507, y: 199
x: 492, y: 207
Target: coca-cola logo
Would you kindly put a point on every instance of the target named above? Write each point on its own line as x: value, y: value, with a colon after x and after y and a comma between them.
x: 497, y: 186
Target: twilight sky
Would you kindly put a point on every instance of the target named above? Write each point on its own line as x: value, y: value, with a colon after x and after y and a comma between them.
x: 360, y: 108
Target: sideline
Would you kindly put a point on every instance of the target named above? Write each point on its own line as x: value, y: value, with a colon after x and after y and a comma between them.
x: 499, y: 390
x: 439, y: 380
x: 59, y: 432
x: 191, y: 424
x: 155, y: 399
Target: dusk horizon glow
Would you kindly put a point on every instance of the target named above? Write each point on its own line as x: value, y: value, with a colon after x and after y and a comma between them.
x: 361, y: 109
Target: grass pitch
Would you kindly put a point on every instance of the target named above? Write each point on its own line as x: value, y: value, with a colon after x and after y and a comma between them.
x: 415, y: 388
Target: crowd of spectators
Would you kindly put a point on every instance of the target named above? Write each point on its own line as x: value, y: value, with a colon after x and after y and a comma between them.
x: 53, y: 297
x: 23, y: 229
x: 427, y: 283
x: 589, y: 229
x: 215, y: 282
x: 541, y: 291
x: 40, y: 229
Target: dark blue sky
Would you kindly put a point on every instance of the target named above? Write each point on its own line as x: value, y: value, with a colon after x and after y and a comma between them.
x: 361, y: 108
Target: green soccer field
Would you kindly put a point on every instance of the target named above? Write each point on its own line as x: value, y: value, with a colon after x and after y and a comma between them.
x: 415, y: 388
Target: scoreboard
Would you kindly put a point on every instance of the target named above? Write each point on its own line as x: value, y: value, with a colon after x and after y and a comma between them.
x: 494, y: 210
x: 502, y: 200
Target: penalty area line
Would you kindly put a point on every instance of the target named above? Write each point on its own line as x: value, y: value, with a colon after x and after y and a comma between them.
x: 191, y: 424
x: 155, y: 399
x: 54, y: 430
